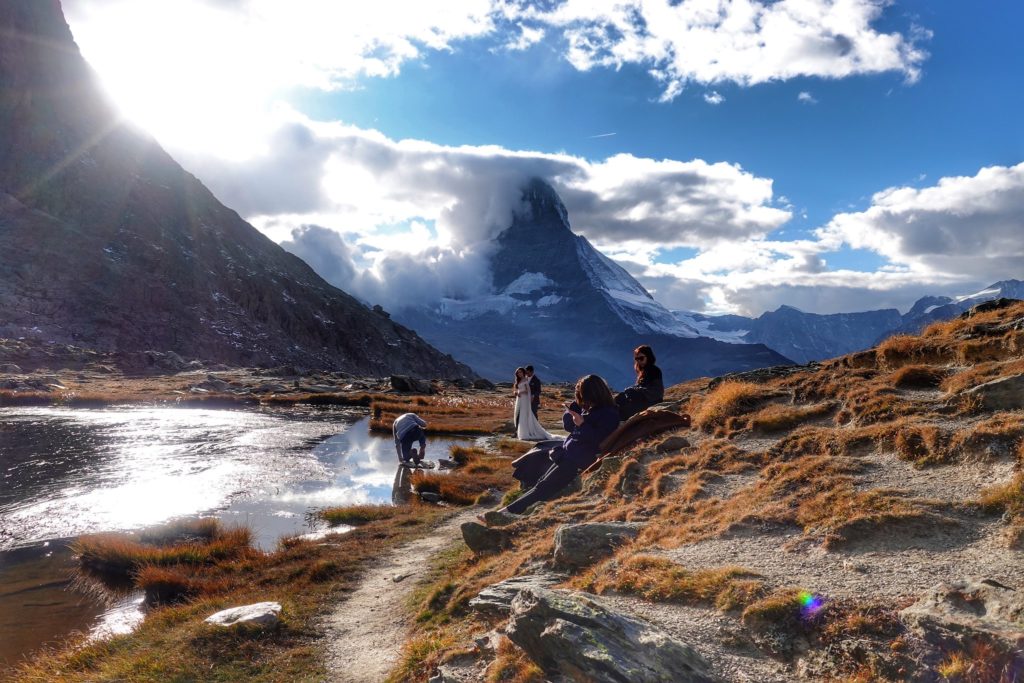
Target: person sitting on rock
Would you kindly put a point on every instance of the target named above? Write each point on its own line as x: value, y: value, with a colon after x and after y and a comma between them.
x: 408, y: 429
x: 649, y: 388
x: 590, y: 419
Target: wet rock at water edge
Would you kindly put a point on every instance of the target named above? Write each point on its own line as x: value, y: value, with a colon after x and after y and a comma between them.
x: 261, y: 614
x: 578, y: 636
x: 579, y: 545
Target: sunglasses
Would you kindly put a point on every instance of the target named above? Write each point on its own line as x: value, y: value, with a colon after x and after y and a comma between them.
x: 639, y: 357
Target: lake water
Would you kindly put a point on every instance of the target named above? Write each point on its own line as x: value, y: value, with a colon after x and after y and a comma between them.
x: 68, y: 472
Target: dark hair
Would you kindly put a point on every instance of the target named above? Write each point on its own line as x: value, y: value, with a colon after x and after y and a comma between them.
x: 529, y: 368
x: 647, y: 352
x: 518, y: 370
x: 593, y: 392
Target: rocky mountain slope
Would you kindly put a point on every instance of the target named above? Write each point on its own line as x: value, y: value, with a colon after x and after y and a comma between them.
x: 562, y: 306
x: 106, y: 242
x: 805, y: 337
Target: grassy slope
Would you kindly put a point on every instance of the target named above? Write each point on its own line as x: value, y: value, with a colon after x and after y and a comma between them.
x: 904, y: 397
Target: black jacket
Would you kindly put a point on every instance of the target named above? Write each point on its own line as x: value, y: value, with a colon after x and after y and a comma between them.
x: 650, y: 389
x: 534, y: 389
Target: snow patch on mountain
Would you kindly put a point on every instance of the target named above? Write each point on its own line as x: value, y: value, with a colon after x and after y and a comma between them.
x: 627, y: 297
x: 705, y: 328
x: 528, y: 282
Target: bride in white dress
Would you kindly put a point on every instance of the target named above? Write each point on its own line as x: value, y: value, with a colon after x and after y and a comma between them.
x: 527, y: 426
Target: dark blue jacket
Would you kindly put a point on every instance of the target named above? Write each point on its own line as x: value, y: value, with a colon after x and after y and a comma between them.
x: 583, y: 444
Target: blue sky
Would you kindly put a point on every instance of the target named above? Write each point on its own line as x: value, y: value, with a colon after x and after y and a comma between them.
x: 732, y: 166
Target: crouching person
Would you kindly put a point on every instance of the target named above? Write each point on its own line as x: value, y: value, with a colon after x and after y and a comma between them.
x: 590, y: 419
x: 408, y: 429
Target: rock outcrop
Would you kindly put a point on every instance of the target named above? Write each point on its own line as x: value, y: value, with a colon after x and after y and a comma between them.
x: 107, y: 243
x: 577, y: 636
x: 496, y: 599
x: 580, y: 545
x: 965, y: 614
x: 1005, y: 393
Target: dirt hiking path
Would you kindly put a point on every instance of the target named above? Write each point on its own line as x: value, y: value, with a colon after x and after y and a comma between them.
x: 365, y: 633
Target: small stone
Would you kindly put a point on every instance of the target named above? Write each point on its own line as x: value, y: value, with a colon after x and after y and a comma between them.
x: 430, y: 497
x: 500, y: 518
x: 263, y: 614
x: 398, y: 578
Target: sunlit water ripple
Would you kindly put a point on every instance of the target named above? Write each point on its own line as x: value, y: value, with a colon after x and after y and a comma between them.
x: 69, y: 472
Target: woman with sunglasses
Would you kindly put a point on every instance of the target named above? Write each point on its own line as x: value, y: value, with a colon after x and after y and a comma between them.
x: 649, y: 388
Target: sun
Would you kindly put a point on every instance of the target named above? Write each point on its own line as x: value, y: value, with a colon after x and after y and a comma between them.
x: 181, y: 71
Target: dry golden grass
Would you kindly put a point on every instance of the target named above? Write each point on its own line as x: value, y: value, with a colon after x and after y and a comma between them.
x: 355, y: 515
x: 120, y: 556
x: 446, y: 413
x: 479, y: 472
x: 981, y: 664
x: 511, y: 665
x: 781, y: 418
x: 174, y: 644
x: 658, y: 579
x: 924, y: 445
x: 980, y: 373
x: 918, y: 377
x: 727, y: 400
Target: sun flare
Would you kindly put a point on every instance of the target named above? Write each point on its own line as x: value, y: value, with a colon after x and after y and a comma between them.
x: 186, y: 74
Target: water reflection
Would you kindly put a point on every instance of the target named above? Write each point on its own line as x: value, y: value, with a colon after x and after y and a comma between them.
x: 70, y: 472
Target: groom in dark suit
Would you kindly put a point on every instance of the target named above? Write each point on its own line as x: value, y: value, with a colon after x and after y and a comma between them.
x: 534, y: 390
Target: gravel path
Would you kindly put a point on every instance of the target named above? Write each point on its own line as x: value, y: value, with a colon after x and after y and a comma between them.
x: 365, y: 633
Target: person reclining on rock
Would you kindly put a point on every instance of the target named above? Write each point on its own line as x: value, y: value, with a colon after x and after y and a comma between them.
x: 590, y: 419
x: 649, y: 388
x: 408, y: 429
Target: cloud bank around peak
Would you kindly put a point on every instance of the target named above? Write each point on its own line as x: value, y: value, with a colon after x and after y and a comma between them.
x: 385, y: 208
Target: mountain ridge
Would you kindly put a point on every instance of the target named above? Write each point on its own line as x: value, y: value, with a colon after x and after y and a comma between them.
x: 105, y: 241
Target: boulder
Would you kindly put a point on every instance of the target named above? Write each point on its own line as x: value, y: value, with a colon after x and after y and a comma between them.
x: 10, y: 368
x: 411, y: 385
x: 968, y: 613
x: 262, y: 614
x: 1005, y: 393
x: 482, y: 539
x: 496, y: 599
x: 580, y: 637
x: 579, y: 545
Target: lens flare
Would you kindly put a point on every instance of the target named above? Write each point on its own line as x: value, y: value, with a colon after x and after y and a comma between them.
x: 809, y: 604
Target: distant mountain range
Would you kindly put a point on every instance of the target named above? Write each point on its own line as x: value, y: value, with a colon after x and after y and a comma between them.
x: 805, y: 337
x: 106, y: 242
x: 559, y: 304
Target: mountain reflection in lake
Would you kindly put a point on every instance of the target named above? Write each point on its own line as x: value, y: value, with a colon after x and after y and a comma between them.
x: 68, y: 472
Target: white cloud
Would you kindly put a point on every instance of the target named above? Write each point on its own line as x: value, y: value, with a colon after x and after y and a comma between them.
x: 970, y: 225
x: 713, y: 97
x: 806, y: 98
x: 741, y: 41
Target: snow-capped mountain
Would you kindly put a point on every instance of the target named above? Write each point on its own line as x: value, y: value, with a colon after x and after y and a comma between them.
x: 804, y: 337
x: 560, y: 304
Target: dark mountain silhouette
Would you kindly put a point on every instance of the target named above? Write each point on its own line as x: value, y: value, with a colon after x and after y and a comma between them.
x: 106, y: 242
x: 569, y: 310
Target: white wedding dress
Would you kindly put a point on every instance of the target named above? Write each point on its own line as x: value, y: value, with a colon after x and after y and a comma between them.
x: 529, y: 428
